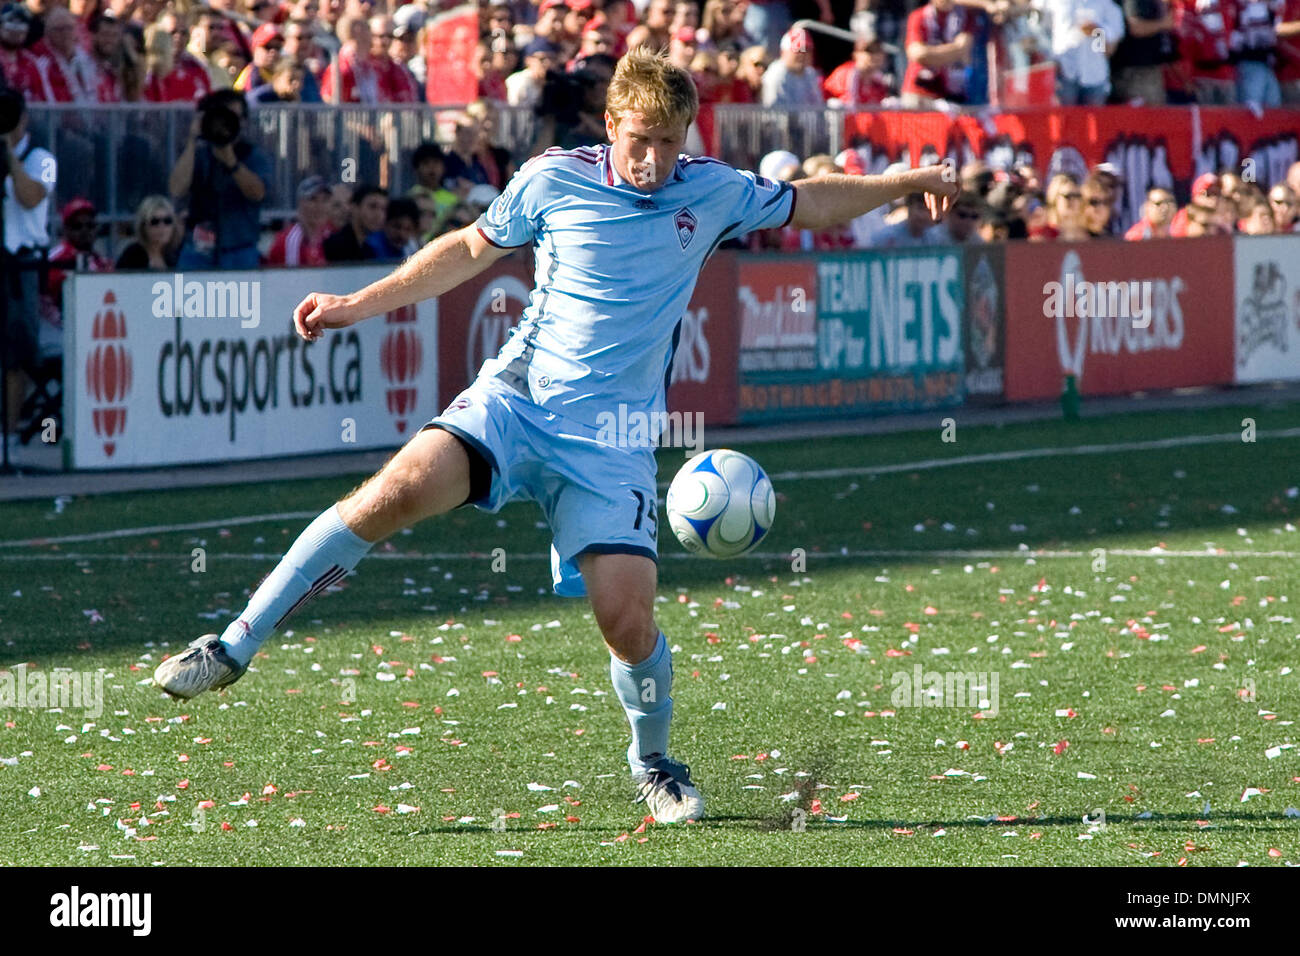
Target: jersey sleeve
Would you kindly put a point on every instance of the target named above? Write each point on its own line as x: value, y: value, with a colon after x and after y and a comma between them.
x: 514, y: 217
x: 763, y: 204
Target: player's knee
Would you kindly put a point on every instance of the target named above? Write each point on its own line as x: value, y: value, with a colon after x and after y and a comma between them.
x: 630, y: 632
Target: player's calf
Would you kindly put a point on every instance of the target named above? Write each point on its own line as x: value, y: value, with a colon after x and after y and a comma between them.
x: 424, y: 478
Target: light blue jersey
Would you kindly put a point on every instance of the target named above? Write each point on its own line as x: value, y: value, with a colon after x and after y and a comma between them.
x: 615, y: 271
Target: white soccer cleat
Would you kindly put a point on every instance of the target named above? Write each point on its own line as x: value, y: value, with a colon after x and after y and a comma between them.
x: 667, y: 789
x: 204, y: 665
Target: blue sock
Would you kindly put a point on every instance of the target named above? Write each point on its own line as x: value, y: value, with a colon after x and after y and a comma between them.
x: 323, y: 555
x: 643, y: 690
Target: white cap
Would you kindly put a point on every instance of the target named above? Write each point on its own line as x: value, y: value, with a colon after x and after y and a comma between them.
x: 777, y: 162
x: 482, y: 195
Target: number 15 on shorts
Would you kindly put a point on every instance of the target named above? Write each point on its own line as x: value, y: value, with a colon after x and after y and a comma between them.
x: 646, y: 510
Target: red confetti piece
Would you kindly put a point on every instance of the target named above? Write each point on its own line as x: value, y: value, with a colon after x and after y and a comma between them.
x: 849, y: 797
x: 1274, y: 852
x: 207, y: 804
x: 382, y: 809
x: 901, y: 831
x: 1197, y: 649
x: 572, y: 819
x: 547, y: 826
x: 226, y: 826
x: 1060, y: 746
x: 816, y: 806
x: 104, y: 767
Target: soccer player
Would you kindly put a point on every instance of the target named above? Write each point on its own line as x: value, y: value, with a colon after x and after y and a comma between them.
x: 620, y: 235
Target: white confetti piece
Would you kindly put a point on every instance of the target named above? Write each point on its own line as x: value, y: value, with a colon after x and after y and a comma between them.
x: 538, y: 787
x: 509, y: 852
x: 1087, y: 776
x: 34, y: 792
x: 719, y: 706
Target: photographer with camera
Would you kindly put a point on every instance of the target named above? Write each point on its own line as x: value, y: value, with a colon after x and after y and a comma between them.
x: 225, y: 178
x: 29, y: 174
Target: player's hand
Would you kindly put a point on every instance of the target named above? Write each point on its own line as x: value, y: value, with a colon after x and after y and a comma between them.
x: 320, y: 311
x: 940, y: 185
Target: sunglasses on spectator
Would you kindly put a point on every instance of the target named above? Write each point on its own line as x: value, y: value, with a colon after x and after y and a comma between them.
x: 1098, y: 202
x: 1071, y: 197
x: 162, y: 221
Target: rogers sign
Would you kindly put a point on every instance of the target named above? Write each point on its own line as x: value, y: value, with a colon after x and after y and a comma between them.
x: 1172, y: 329
x: 1104, y: 330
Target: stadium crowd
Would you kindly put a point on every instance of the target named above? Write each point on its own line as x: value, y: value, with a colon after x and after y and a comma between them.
x: 740, y: 51
x: 997, y: 205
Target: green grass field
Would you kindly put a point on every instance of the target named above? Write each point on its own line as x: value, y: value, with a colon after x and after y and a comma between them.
x: 1155, y: 694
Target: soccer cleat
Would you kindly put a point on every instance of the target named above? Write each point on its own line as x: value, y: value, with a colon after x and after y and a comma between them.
x: 667, y: 789
x: 204, y: 665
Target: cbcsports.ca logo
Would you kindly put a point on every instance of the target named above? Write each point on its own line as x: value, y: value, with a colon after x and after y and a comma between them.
x: 400, y: 358
x: 108, y: 373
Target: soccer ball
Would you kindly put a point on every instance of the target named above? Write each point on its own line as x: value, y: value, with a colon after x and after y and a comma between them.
x: 720, y: 504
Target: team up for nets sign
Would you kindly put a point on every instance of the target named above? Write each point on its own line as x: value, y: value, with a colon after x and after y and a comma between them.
x: 844, y: 334
x: 178, y: 368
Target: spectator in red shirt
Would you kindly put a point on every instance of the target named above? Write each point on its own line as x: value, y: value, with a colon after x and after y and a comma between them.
x: 862, y: 80
x: 730, y: 87
x: 1206, y: 192
x: 1157, y: 214
x: 939, y: 42
x: 621, y: 17
x: 403, y: 47
x: 75, y: 251
x: 18, y: 65
x: 360, y: 79
x: 299, y: 243
x: 491, y: 78
x: 67, y: 70
x: 120, y: 78
x: 1204, y: 31
x: 187, y: 81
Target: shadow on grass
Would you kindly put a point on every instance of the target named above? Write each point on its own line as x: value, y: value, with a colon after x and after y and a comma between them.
x: 1219, y: 822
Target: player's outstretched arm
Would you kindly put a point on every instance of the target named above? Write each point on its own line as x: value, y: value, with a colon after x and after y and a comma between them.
x: 834, y: 199
x: 438, y: 267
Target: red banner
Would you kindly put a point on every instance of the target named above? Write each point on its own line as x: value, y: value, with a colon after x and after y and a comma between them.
x: 1121, y: 317
x: 450, y: 45
x: 1151, y: 146
x: 705, y: 377
x: 475, y: 319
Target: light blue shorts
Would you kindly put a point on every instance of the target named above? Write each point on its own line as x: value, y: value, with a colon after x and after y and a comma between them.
x: 598, y: 498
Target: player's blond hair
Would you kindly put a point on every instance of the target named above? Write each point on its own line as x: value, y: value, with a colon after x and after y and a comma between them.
x: 646, y: 83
